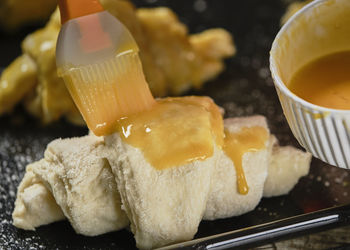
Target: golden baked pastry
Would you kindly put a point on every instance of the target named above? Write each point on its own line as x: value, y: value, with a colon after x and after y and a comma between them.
x: 292, y: 9
x: 173, y: 60
x: 15, y: 13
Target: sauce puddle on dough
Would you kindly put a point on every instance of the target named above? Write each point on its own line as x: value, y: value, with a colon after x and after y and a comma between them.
x: 176, y: 131
x: 325, y: 81
x: 237, y: 144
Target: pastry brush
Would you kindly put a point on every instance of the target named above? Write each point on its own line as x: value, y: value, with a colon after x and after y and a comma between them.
x: 98, y: 59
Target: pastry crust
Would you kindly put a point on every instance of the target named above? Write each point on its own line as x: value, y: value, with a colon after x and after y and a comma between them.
x: 17, y: 13
x: 16, y: 82
x: 292, y: 9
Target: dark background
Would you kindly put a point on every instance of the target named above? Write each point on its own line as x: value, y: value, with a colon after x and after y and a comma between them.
x: 245, y: 88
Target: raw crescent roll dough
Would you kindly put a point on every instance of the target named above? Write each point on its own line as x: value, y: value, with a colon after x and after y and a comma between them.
x: 81, y: 182
x: 164, y: 206
x: 224, y: 200
x: 35, y: 206
x: 91, y: 181
x: 286, y: 166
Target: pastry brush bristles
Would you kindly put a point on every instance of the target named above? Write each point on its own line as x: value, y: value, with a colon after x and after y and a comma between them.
x: 107, y: 91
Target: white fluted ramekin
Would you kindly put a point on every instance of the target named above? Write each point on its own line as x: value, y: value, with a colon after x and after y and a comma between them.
x: 319, y: 29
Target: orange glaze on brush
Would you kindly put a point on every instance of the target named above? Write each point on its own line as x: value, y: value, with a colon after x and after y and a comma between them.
x: 110, y: 100
x: 176, y: 131
x: 237, y: 144
x: 98, y: 60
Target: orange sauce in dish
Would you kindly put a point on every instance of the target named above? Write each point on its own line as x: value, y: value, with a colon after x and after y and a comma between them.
x: 237, y: 144
x: 325, y: 81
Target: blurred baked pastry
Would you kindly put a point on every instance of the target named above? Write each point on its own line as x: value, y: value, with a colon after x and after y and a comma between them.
x: 173, y: 61
x: 16, y: 13
x: 292, y: 9
x: 17, y: 81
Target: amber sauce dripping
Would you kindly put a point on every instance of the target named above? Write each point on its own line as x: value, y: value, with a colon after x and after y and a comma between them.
x: 237, y: 144
x: 156, y: 133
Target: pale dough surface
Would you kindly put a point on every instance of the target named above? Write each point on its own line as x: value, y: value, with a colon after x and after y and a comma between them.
x: 224, y: 199
x: 82, y: 184
x: 287, y: 165
x: 35, y: 206
x: 100, y: 184
x: 163, y: 206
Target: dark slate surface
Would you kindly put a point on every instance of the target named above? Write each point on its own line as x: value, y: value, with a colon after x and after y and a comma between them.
x: 245, y: 88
